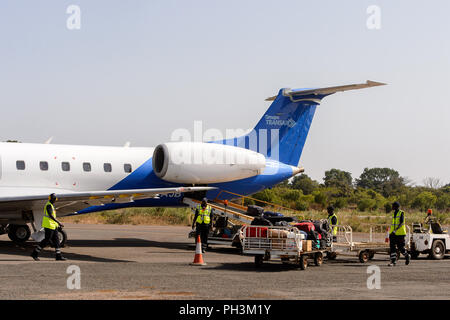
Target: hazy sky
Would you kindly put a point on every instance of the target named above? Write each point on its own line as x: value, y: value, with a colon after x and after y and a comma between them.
x: 137, y: 70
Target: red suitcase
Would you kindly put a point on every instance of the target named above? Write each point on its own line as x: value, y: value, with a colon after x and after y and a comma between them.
x: 253, y: 232
x: 305, y: 226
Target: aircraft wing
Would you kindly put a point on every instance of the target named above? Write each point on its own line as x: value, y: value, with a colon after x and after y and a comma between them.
x: 69, y: 202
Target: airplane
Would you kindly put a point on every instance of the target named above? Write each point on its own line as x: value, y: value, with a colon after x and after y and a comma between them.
x: 89, y: 179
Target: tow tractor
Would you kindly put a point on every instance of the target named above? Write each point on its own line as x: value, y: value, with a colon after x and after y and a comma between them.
x: 433, y: 241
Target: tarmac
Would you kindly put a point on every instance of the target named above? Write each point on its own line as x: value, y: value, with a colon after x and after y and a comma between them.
x: 153, y: 262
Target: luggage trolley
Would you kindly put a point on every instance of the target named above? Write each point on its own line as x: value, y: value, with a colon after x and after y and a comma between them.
x: 279, y: 243
x: 365, y: 248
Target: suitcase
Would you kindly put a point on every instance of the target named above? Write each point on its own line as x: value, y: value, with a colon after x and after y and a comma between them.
x: 254, y: 211
x: 278, y: 219
x: 256, y: 232
x: 272, y: 214
x: 305, y: 226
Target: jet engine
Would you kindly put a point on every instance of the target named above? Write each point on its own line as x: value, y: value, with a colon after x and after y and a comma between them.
x: 202, y: 163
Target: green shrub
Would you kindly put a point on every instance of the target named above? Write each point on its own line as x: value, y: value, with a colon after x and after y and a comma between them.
x: 301, y: 205
x: 366, y: 204
x: 424, y: 200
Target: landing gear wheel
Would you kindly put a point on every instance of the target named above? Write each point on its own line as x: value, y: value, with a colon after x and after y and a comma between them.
x: 331, y: 255
x: 437, y: 250
x: 62, y: 236
x: 259, y: 260
x: 303, y: 262
x: 364, y: 256
x: 318, y: 259
x: 19, y: 233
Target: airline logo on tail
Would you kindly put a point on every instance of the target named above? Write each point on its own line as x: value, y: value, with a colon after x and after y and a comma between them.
x: 276, y: 121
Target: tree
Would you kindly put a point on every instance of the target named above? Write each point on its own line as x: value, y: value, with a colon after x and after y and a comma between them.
x: 443, y: 202
x: 304, y: 183
x: 424, y: 200
x: 383, y: 180
x: 339, y: 179
x: 432, y: 183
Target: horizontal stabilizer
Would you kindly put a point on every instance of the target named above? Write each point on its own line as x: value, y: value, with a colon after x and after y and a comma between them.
x: 326, y: 91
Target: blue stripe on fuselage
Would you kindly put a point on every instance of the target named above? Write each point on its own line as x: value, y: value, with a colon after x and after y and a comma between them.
x: 144, y: 178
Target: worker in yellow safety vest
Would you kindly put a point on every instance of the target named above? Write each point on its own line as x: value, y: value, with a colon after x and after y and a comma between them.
x: 50, y: 225
x: 397, y: 235
x: 333, y: 222
x: 202, y: 220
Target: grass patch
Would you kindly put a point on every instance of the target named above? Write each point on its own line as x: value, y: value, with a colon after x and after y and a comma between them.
x: 136, y: 216
x: 359, y: 221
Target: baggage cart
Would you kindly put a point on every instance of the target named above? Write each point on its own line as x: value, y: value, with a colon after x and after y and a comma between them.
x: 365, y: 247
x: 285, y: 244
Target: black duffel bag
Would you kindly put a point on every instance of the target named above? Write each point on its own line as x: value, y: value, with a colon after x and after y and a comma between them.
x: 254, y: 211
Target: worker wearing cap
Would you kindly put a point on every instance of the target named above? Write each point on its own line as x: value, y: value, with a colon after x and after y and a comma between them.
x: 50, y: 225
x: 429, y: 218
x: 397, y: 235
x: 332, y: 222
x: 202, y: 220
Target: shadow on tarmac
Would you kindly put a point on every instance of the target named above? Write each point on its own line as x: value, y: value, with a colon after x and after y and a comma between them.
x: 126, y: 242
x: 10, y: 248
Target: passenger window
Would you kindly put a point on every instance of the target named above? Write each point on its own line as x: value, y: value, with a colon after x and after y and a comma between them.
x: 20, y: 165
x: 86, y: 166
x: 65, y: 166
x: 107, y: 167
x: 127, y: 167
x: 43, y: 165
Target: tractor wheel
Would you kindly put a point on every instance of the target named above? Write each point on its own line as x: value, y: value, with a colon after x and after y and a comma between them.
x: 437, y: 250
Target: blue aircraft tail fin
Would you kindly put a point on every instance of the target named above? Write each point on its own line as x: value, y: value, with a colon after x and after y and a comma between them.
x: 281, y: 133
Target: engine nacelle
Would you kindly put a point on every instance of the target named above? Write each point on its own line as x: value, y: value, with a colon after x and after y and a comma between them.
x: 202, y: 163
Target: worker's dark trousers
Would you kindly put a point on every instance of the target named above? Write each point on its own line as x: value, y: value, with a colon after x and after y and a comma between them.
x: 396, y: 242
x: 49, y: 235
x: 202, y: 230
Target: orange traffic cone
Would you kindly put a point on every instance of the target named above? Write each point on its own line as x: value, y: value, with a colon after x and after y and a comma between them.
x: 198, y: 259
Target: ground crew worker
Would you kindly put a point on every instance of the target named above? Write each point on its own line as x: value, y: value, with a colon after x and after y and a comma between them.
x: 202, y: 221
x: 50, y: 225
x: 429, y: 218
x: 397, y: 235
x: 332, y: 222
